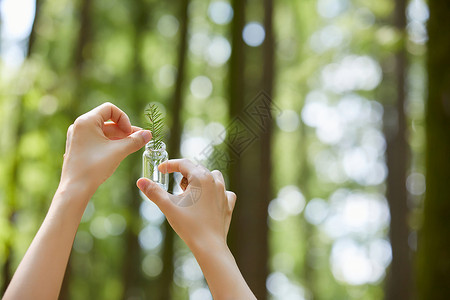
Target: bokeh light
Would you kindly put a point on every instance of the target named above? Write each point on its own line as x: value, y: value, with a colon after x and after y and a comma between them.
x: 199, y: 42
x: 152, y: 265
x: 352, y: 73
x: 316, y: 211
x: 83, y: 242
x: 280, y: 287
x: 187, y: 271
x: 150, y: 237
x: 357, y: 213
x: 220, y: 12
x: 358, y: 264
x: 17, y: 18
x: 288, y: 120
x: 167, y: 75
x: 253, y: 34
x: 218, y: 51
x: 214, y: 132
x: 98, y: 228
x: 150, y: 211
x: 201, y: 87
x: 415, y: 183
x: 115, y: 224
x: 168, y: 25
x: 331, y: 8
x: 200, y: 294
x: 327, y: 38
x: 289, y: 202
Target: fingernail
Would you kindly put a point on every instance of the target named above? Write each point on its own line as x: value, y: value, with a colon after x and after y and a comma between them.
x: 147, y: 135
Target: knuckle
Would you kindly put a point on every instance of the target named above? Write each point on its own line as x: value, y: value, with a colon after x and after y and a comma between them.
x: 220, y: 185
x: 70, y: 130
x: 138, y: 141
x: 107, y: 104
x: 206, y: 177
x: 81, y: 121
x: 232, y: 196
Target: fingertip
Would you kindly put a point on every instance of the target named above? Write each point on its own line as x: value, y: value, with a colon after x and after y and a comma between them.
x: 163, y: 167
x: 142, y: 183
x: 124, y: 123
x: 232, y: 195
x: 146, y: 134
x: 127, y: 126
x: 231, y: 199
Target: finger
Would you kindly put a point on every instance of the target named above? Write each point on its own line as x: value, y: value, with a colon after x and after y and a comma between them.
x: 184, y: 183
x: 133, y: 142
x: 109, y: 111
x: 155, y: 193
x: 218, y: 176
x: 231, y: 200
x: 135, y: 128
x: 184, y: 166
x: 112, y: 131
x: 69, y: 137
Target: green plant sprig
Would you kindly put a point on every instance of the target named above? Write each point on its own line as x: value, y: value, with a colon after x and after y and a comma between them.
x: 155, y: 124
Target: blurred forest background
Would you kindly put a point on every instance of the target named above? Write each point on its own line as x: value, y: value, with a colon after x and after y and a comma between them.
x: 324, y: 115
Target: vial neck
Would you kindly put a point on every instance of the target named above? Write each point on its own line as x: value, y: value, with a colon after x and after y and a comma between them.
x: 156, y: 148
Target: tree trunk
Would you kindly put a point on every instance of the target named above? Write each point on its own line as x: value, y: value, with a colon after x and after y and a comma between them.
x: 166, y: 278
x: 32, y: 37
x: 248, y: 139
x: 434, y: 238
x: 397, y: 156
x: 261, y: 263
x: 132, y: 274
x: 84, y: 38
x: 84, y: 35
x: 236, y: 94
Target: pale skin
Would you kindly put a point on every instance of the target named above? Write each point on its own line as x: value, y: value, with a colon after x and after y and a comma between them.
x: 96, y: 144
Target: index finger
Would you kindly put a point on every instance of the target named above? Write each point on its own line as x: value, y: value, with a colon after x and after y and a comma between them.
x: 184, y: 166
x: 109, y: 111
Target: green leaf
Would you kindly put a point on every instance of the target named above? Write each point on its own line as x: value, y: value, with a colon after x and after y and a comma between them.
x: 155, y: 124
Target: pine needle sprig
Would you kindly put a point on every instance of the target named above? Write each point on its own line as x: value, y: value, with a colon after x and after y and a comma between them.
x: 155, y: 124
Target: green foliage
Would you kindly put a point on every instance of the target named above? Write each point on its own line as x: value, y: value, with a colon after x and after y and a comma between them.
x: 155, y: 124
x: 129, y: 63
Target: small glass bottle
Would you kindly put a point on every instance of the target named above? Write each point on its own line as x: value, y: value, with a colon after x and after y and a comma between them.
x: 153, y: 156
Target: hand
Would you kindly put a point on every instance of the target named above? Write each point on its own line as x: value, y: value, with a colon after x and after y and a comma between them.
x: 201, y: 215
x: 95, y: 147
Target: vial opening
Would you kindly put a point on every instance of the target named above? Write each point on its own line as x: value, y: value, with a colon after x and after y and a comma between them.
x: 157, y: 147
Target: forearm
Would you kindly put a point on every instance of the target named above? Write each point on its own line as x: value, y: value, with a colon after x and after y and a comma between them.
x: 219, y: 267
x: 41, y: 271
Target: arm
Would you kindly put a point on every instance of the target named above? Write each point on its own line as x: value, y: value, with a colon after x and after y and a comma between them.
x: 94, y: 150
x: 201, y: 216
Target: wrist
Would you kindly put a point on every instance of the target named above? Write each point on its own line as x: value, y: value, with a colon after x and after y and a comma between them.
x: 221, y: 271
x: 72, y: 197
x: 208, y: 246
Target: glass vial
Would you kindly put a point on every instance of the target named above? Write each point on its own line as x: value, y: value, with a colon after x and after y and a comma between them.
x: 153, y: 156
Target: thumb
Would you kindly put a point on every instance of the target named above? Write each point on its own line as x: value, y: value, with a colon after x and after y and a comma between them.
x: 134, y: 142
x: 155, y: 193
